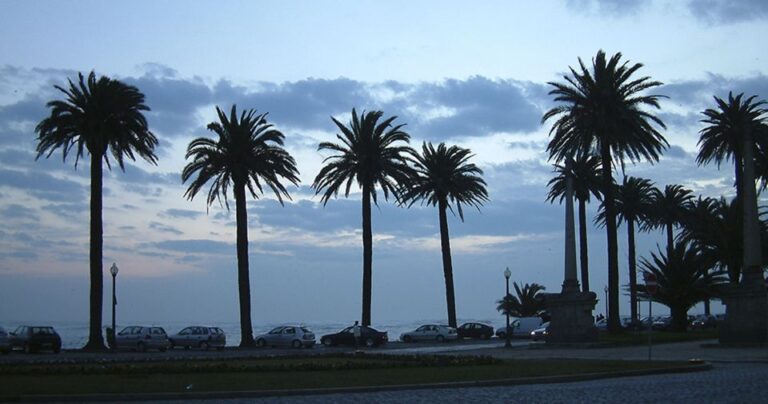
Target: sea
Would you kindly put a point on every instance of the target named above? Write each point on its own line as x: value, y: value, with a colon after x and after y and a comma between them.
x: 74, y: 334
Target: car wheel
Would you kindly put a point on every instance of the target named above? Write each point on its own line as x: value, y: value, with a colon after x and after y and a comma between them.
x: 56, y: 349
x: 327, y: 342
x: 172, y: 345
x: 369, y: 342
x: 28, y: 348
x: 261, y: 343
x: 440, y: 338
x: 407, y: 338
x: 140, y: 347
x: 296, y: 343
x: 204, y: 346
x: 502, y: 335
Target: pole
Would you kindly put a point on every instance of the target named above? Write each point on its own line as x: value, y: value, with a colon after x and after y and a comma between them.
x: 507, y: 344
x: 650, y: 327
x: 606, y: 302
x: 114, y: 303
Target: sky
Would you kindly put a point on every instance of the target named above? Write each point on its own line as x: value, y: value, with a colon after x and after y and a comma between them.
x: 474, y: 76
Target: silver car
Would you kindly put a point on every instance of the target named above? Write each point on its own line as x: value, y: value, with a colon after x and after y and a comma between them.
x: 290, y: 335
x: 199, y: 337
x: 5, y: 343
x: 142, y: 338
x: 430, y: 332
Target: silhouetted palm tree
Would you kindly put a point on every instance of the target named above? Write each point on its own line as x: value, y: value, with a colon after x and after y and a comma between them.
x: 722, y: 139
x: 633, y: 201
x: 368, y: 154
x: 248, y: 153
x: 444, y: 176
x: 585, y: 172
x: 684, y: 279
x: 527, y: 303
x: 99, y: 117
x: 600, y: 112
x: 668, y: 209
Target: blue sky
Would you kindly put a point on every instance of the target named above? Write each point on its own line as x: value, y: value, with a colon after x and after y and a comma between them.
x: 472, y: 76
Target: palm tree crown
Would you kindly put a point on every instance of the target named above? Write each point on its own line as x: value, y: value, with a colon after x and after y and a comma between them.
x: 248, y: 153
x: 368, y: 154
x: 600, y: 112
x: 669, y: 208
x: 99, y: 117
x: 527, y: 303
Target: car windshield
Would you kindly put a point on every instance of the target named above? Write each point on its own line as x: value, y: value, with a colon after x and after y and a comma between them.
x: 277, y: 330
x: 307, y: 330
x: 42, y: 330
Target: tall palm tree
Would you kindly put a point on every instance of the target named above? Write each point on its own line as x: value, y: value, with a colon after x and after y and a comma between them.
x: 247, y: 153
x: 98, y: 117
x: 633, y: 200
x: 601, y: 112
x: 668, y: 209
x: 585, y: 171
x: 370, y: 154
x: 527, y: 303
x: 722, y: 139
x: 444, y: 176
x: 684, y: 279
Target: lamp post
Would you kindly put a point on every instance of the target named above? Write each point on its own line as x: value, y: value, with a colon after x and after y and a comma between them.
x: 507, y: 274
x: 113, y: 270
x: 606, y: 301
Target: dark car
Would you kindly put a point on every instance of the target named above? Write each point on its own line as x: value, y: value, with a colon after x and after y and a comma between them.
x: 475, y: 330
x: 368, y: 337
x: 33, y: 338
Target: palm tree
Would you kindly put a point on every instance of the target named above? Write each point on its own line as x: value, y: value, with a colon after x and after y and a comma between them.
x: 601, y: 112
x: 684, y: 279
x: 585, y: 172
x: 527, y: 303
x: 722, y: 139
x: 444, y: 176
x: 668, y: 209
x: 633, y: 200
x: 98, y: 117
x: 248, y: 153
x: 369, y: 154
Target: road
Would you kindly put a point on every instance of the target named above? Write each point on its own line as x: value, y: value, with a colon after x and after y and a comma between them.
x: 726, y: 383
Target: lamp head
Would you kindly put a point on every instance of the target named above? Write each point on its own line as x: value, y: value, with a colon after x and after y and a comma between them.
x: 113, y: 269
x: 507, y: 273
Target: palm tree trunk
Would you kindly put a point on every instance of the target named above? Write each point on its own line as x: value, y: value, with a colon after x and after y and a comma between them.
x: 707, y: 308
x: 95, y: 338
x: 679, y: 318
x: 367, y: 255
x: 583, y: 255
x: 614, y: 326
x: 670, y: 238
x: 243, y: 276
x: 445, y: 244
x: 738, y: 175
x: 632, y: 269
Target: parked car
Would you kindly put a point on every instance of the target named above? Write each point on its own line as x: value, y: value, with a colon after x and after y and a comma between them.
x: 662, y: 324
x: 141, y: 338
x: 33, y: 338
x: 520, y: 327
x: 368, y: 336
x: 703, y: 322
x: 5, y: 342
x: 541, y: 332
x: 502, y: 331
x: 431, y: 332
x: 198, y: 337
x: 290, y: 335
x: 474, y: 330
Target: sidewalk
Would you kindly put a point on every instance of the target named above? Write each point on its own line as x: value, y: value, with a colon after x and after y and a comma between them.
x: 705, y: 350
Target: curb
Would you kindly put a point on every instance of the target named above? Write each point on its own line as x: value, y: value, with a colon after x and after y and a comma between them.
x: 362, y: 389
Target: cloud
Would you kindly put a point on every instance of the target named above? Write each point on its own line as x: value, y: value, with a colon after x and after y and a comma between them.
x: 16, y: 212
x: 728, y: 11
x: 164, y: 228
x: 182, y: 213
x: 609, y: 7
x: 43, y: 186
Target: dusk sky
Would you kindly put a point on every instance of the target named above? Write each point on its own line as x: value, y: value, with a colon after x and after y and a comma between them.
x: 473, y: 74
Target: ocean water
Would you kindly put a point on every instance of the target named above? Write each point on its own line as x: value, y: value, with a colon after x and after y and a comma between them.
x: 74, y: 334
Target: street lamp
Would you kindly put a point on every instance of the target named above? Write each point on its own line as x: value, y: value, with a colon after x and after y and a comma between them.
x: 507, y: 274
x: 606, y: 301
x: 113, y: 270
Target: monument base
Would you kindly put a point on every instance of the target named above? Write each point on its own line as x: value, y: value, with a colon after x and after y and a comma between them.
x: 571, y: 319
x: 746, y: 314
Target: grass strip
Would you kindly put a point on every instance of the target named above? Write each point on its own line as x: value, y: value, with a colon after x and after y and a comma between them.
x: 658, y: 337
x: 375, y: 373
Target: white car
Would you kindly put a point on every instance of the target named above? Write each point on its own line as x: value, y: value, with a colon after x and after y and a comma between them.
x: 287, y: 335
x: 142, y: 338
x: 199, y: 337
x: 430, y: 332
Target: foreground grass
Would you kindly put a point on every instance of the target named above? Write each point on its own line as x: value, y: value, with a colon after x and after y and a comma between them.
x: 658, y: 337
x: 287, y: 373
